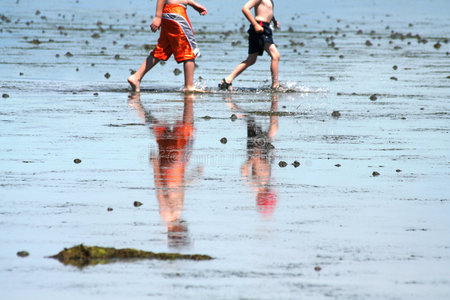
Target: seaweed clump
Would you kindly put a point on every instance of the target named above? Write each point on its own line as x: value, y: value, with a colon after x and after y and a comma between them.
x: 82, y: 256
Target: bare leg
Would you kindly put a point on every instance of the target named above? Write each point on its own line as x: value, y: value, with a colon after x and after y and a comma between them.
x: 135, y: 79
x: 272, y: 50
x: 189, y: 66
x: 251, y: 59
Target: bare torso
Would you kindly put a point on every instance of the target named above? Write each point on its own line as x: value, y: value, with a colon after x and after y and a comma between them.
x: 183, y: 2
x: 264, y: 11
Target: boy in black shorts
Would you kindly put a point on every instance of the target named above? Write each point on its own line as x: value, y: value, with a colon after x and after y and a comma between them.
x: 259, y: 40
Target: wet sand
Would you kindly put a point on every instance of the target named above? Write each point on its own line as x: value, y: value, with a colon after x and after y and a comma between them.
x: 363, y: 215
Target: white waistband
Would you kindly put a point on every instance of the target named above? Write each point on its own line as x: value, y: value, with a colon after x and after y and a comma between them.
x: 185, y: 6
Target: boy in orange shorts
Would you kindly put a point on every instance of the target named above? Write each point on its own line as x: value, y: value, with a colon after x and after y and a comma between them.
x: 177, y: 38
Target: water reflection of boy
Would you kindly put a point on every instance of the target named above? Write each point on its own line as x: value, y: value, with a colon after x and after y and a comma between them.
x: 174, y: 150
x: 257, y: 169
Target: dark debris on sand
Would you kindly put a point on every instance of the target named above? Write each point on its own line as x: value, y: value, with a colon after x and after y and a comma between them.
x: 282, y: 164
x: 177, y: 71
x: 23, y: 253
x: 82, y: 256
x: 336, y: 114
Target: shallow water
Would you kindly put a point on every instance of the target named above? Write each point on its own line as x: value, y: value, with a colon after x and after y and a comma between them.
x: 373, y: 237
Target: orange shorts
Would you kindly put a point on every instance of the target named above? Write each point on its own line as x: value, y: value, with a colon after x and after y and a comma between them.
x: 177, y: 36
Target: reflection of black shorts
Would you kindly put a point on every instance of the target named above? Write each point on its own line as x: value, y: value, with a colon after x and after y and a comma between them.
x: 256, y: 41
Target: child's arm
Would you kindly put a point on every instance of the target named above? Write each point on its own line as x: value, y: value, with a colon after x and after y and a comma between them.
x: 248, y: 14
x: 156, y: 24
x: 276, y: 23
x: 198, y: 7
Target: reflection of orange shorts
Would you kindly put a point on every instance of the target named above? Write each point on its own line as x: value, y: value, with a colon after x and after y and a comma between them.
x: 174, y: 149
x: 176, y: 36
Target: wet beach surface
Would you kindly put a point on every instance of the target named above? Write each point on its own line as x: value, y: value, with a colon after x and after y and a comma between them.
x: 362, y: 215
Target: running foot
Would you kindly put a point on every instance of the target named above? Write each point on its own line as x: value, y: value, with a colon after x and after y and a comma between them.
x: 194, y: 90
x: 277, y: 88
x: 135, y: 84
x: 225, y: 86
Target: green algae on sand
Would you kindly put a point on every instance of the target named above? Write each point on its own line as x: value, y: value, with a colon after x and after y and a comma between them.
x: 82, y: 256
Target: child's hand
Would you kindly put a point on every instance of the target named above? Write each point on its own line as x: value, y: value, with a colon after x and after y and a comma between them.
x: 259, y: 28
x: 156, y: 24
x: 277, y: 25
x: 201, y: 9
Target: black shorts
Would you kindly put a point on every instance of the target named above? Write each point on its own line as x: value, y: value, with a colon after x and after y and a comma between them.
x: 256, y: 41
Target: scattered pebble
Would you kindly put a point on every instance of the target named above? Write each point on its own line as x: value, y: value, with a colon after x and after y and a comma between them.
x: 282, y: 164
x: 233, y: 117
x: 375, y: 173
x: 296, y: 164
x: 23, y: 253
x: 109, y: 209
x: 332, y: 78
x: 398, y: 170
x: 336, y: 114
x: 177, y: 71
x: 20, y: 74
x: 77, y: 160
x: 394, y: 78
x: 117, y: 56
x: 107, y: 75
x: 317, y: 269
x: 68, y: 54
x: 137, y: 203
x: 223, y: 140
x: 373, y: 97
x: 95, y: 36
x: 437, y: 46
x: 337, y: 165
x: 269, y: 146
x: 206, y: 118
x: 95, y: 94
x: 5, y: 96
x: 368, y: 43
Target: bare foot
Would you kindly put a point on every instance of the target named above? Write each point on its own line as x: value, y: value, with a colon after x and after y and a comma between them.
x: 277, y: 87
x: 193, y: 90
x: 135, y: 83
